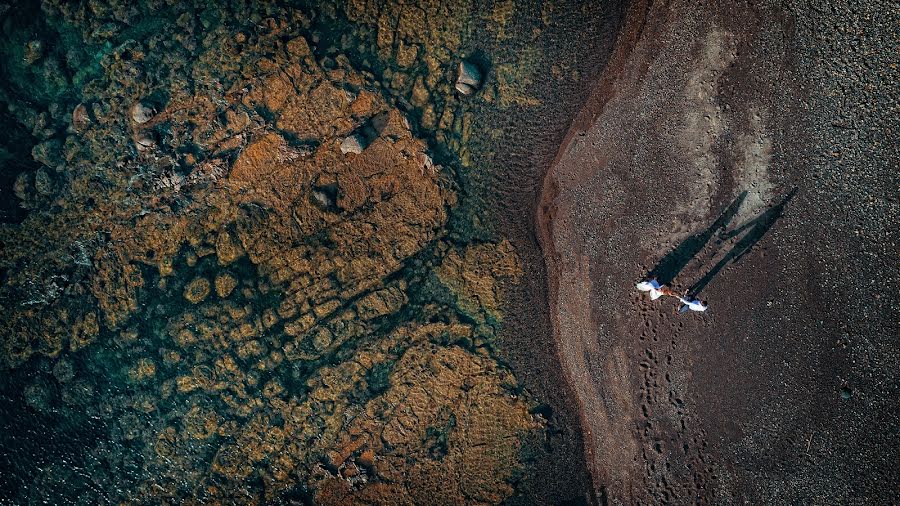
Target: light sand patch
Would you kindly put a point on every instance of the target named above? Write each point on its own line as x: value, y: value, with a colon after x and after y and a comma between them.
x: 752, y: 172
x: 703, y: 122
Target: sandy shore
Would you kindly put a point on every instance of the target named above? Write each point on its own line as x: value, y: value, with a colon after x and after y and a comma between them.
x: 715, y: 153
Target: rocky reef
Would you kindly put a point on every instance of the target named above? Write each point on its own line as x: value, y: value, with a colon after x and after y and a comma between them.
x: 240, y: 263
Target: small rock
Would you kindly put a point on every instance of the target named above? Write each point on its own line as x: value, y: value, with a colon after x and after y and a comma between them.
x: 227, y: 248
x: 191, y: 258
x: 42, y: 182
x: 321, y: 340
x: 353, y: 144
x: 80, y: 118
x: 366, y: 458
x: 38, y: 396
x: 34, y: 50
x: 236, y: 121
x: 143, y: 142
x: 464, y: 88
x: 142, y: 371
x: 77, y: 392
x: 321, y: 199
x: 469, y: 78
x: 48, y: 152
x: 140, y: 113
x: 349, y: 471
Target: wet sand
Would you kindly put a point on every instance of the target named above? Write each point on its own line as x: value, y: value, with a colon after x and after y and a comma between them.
x: 700, y: 158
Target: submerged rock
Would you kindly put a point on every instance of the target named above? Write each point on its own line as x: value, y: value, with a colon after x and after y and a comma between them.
x: 80, y: 118
x: 225, y: 284
x: 63, y: 371
x: 42, y: 182
x: 324, y: 238
x: 38, y: 396
x: 34, y: 50
x: 140, y: 113
x: 469, y: 78
x: 197, y: 290
x: 143, y: 142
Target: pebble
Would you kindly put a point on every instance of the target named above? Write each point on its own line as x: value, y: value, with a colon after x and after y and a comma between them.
x: 80, y: 118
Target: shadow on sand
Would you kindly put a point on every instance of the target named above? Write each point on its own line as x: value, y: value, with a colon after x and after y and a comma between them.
x: 671, y: 264
x: 755, y: 230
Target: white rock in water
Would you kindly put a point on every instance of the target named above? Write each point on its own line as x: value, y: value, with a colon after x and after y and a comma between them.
x: 353, y: 144
x: 144, y: 142
x: 469, y: 78
x: 140, y: 113
x: 464, y: 88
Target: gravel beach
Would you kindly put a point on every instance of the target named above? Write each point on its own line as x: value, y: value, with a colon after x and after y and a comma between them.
x: 746, y: 153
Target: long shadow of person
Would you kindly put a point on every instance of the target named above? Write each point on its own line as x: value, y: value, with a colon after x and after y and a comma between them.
x: 671, y: 264
x: 756, y: 229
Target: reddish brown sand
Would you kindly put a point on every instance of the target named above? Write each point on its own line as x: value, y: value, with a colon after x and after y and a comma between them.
x: 785, y: 389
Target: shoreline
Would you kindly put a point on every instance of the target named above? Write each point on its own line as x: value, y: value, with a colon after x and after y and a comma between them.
x: 602, y: 91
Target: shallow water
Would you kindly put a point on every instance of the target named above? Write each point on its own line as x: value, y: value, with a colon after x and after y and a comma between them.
x: 148, y: 361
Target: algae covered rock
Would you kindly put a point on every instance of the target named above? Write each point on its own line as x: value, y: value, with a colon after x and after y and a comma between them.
x: 225, y: 284
x: 197, y: 290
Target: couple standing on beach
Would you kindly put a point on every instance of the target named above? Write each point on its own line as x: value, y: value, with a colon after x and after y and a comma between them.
x: 656, y: 291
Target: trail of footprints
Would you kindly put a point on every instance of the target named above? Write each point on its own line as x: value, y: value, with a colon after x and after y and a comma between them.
x: 677, y: 464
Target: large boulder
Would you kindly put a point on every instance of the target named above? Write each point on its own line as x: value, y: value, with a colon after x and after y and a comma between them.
x: 469, y: 79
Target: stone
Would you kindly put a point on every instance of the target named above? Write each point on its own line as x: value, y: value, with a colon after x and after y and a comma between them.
x: 38, y: 396
x: 42, y: 182
x: 143, y: 370
x: 366, y: 458
x: 464, y: 88
x: 227, y: 248
x: 140, y: 113
x: 322, y: 199
x: 236, y: 121
x: 34, y: 50
x: 144, y: 142
x: 80, y: 118
x: 353, y: 144
x: 469, y: 78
